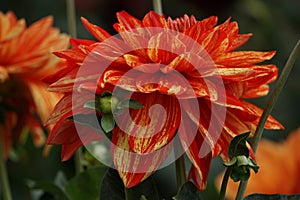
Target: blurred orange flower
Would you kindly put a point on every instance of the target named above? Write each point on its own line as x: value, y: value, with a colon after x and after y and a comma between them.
x: 25, y: 58
x: 277, y: 161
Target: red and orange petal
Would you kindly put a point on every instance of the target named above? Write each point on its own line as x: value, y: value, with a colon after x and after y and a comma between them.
x: 153, y: 126
x: 32, y: 49
x: 133, y: 167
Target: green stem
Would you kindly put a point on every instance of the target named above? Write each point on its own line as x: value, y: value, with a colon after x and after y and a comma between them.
x: 157, y: 6
x: 78, y: 161
x: 269, y: 107
x: 126, y: 193
x: 275, y: 94
x: 224, y: 183
x: 129, y: 194
x: 241, y: 190
x: 180, y: 171
x: 3, y: 175
x: 71, y: 16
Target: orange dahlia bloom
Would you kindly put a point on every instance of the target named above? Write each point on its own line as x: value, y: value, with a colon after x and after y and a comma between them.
x: 273, y: 166
x: 25, y: 58
x: 179, y: 64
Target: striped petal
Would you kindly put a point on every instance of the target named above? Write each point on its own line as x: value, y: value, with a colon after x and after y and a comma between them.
x: 128, y: 21
x: 152, y: 19
x: 133, y: 167
x: 193, y: 144
x: 271, y: 122
x: 243, y: 58
x: 164, y: 47
x: 200, y: 176
x: 96, y: 31
x: 74, y: 55
x: 256, y: 92
x: 153, y: 126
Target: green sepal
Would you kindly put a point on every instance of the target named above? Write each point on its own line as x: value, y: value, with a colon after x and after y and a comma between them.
x: 241, y: 173
x: 230, y: 163
x: 107, y: 123
x: 241, y: 168
x: 238, y: 146
x: 240, y: 163
x: 92, y: 105
x: 130, y: 103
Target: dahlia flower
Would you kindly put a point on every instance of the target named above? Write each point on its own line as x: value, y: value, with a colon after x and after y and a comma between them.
x: 25, y: 58
x: 185, y: 73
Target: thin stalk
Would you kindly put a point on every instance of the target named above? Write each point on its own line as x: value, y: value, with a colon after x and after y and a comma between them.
x: 241, y: 190
x: 157, y: 7
x: 269, y: 107
x: 180, y: 171
x: 78, y: 161
x: 71, y: 17
x: 126, y: 193
x: 5, y: 188
x: 129, y: 193
x: 224, y: 183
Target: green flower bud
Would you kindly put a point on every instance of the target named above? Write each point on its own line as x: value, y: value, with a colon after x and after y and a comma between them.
x: 108, y: 104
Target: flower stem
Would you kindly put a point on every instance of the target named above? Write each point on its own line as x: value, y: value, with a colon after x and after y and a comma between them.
x: 180, y: 171
x: 129, y: 194
x: 224, y: 183
x: 157, y: 7
x: 5, y: 188
x: 126, y: 193
x: 71, y: 16
x: 269, y: 107
x: 78, y: 161
x: 241, y: 190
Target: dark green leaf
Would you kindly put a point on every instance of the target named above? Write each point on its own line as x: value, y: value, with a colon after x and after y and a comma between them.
x: 112, y: 188
x: 272, y: 197
x: 50, y: 187
x: 55, y: 188
x: 238, y: 146
x: 86, y: 185
x: 108, y: 123
x: 89, y: 120
x: 130, y: 103
x: 188, y: 191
